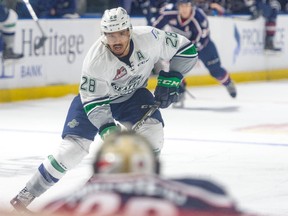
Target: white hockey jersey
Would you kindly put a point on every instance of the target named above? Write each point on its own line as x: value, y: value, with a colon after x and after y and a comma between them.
x: 105, y: 79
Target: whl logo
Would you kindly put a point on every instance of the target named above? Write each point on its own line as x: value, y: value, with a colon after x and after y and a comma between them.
x: 120, y: 73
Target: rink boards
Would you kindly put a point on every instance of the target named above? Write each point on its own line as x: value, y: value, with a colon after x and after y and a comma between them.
x: 54, y: 70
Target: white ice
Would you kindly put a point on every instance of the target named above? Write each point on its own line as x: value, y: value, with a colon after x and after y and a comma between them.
x: 240, y: 143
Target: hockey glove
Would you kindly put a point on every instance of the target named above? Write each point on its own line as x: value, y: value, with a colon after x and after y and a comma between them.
x: 107, y: 129
x: 167, y: 89
x: 255, y: 13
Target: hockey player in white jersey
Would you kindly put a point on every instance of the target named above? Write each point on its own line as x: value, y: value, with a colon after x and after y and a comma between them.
x: 8, y: 19
x: 113, y: 87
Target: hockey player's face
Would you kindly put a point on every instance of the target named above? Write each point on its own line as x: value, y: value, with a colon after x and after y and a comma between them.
x: 185, y: 10
x: 118, y: 42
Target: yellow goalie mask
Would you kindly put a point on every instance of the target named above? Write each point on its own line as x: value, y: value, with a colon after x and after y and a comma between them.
x: 126, y: 152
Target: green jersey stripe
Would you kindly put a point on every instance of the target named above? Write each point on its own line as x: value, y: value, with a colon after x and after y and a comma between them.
x: 188, y: 51
x: 55, y: 164
x: 91, y: 106
x: 10, y: 25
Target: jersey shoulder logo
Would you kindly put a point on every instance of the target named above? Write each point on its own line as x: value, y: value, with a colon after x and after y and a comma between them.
x: 155, y: 33
x: 120, y: 73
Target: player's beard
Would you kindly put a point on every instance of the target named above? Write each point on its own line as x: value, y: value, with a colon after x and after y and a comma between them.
x: 120, y: 54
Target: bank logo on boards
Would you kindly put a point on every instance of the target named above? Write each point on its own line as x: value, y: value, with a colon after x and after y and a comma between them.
x: 58, y: 44
x: 250, y: 40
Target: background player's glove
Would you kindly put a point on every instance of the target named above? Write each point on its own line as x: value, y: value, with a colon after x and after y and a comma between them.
x: 252, y: 6
x: 107, y: 129
x: 254, y: 12
x: 167, y: 89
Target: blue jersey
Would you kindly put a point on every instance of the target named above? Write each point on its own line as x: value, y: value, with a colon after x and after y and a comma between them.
x: 195, y: 28
x: 130, y: 194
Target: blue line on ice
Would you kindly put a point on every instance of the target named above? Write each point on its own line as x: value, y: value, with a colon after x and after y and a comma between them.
x: 229, y: 141
x: 168, y: 138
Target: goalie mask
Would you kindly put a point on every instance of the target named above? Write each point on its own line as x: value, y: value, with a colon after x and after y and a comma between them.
x: 114, y: 20
x: 126, y: 152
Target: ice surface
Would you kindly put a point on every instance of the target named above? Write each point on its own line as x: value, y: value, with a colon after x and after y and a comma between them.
x: 240, y: 143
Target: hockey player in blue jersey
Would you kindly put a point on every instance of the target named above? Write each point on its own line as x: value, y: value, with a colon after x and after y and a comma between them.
x: 269, y: 11
x: 190, y: 21
x: 127, y: 182
x: 255, y: 8
x: 8, y: 19
x: 113, y: 88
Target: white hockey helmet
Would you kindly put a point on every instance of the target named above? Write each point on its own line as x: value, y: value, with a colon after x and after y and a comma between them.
x: 116, y: 19
x: 126, y: 152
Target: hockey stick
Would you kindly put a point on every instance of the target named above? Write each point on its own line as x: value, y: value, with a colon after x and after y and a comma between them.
x: 146, y: 116
x: 35, y: 18
x: 190, y: 94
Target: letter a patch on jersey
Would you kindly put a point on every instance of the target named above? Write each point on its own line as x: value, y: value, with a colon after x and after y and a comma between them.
x: 120, y: 73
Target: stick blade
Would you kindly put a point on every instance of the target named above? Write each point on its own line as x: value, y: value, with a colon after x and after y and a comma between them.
x: 41, y: 42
